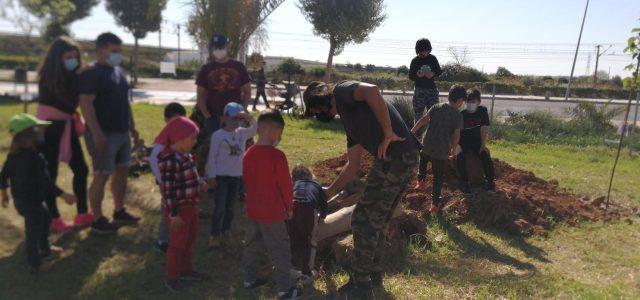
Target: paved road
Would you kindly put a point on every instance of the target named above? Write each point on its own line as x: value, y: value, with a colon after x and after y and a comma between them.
x: 153, y: 91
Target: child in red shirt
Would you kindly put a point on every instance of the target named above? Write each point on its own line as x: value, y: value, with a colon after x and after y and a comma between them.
x: 269, y: 203
x: 180, y: 189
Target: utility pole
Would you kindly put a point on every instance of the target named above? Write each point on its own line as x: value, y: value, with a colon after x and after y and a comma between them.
x: 588, y: 63
x: 598, y: 54
x: 160, y: 39
x: 575, y: 57
x: 179, y: 56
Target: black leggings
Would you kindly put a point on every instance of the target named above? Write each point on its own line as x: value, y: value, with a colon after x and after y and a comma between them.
x: 437, y: 168
x: 487, y: 165
x: 50, y: 150
x: 259, y: 93
x: 36, y: 228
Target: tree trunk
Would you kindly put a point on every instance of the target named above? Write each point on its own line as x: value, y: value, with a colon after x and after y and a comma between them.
x: 135, y: 63
x: 327, y: 72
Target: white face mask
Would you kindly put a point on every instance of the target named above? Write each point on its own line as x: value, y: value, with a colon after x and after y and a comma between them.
x: 70, y: 64
x: 114, y: 59
x: 471, y: 107
x: 219, y: 53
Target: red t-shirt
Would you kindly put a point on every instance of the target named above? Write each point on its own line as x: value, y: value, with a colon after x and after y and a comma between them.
x: 265, y: 171
x: 223, y: 83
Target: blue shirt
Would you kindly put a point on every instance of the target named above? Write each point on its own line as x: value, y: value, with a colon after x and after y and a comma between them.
x: 111, y: 104
x: 309, y: 191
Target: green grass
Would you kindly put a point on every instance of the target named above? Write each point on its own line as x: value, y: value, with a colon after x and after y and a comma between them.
x: 590, y: 261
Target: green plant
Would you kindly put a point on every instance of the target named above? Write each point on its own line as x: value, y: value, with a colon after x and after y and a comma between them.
x: 456, y: 73
x: 404, y: 106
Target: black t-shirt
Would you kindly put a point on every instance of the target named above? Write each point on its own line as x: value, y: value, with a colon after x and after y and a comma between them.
x: 362, y: 127
x: 111, y: 104
x: 65, y: 100
x: 471, y: 135
x: 417, y: 63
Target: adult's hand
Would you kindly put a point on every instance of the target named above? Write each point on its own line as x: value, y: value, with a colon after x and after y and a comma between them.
x: 382, y: 148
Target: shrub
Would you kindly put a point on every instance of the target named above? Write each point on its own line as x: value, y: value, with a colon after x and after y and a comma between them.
x: 13, y: 61
x: 458, y: 73
x: 404, y: 106
x: 502, y: 72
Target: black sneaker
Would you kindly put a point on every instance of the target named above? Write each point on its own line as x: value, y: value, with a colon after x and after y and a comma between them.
x: 122, y: 217
x: 162, y: 246
x: 102, y: 226
x: 293, y: 293
x: 491, y: 187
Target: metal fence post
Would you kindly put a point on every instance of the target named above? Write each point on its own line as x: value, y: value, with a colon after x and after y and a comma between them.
x: 634, y: 124
x: 493, y: 99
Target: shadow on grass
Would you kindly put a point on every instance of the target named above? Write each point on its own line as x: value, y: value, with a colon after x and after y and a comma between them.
x: 480, y: 249
x: 519, y: 242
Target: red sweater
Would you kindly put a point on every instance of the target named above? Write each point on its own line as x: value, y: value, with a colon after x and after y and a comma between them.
x: 265, y: 171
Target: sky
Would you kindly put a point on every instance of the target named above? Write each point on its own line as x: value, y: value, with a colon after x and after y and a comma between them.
x: 526, y: 37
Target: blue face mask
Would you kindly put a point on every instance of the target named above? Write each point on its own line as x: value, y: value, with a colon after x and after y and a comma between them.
x: 71, y: 64
x: 114, y: 59
x: 471, y: 107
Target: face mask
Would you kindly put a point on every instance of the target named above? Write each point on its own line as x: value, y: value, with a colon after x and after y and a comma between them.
x: 276, y: 143
x: 462, y: 107
x: 232, y: 123
x: 324, y: 117
x: 220, y: 53
x: 471, y: 107
x: 114, y: 59
x: 71, y: 64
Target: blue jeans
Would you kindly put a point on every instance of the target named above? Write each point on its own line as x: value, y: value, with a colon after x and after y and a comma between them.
x: 225, y: 196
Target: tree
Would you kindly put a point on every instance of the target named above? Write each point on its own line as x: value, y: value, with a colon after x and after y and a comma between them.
x: 139, y: 18
x: 404, y: 70
x: 290, y: 67
x: 357, y: 67
x: 237, y: 19
x: 460, y: 55
x: 342, y: 22
x: 502, y: 72
x: 370, y: 68
x: 58, y: 14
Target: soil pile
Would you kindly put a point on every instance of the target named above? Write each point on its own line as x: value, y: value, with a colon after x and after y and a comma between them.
x: 523, y: 203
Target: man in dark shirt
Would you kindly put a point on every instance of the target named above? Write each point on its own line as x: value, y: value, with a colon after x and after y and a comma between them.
x: 373, y: 125
x: 219, y: 82
x: 261, y: 82
x: 423, y: 70
x: 473, y: 139
x: 104, y: 99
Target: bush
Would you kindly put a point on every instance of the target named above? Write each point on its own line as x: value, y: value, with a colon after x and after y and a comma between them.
x: 458, y: 73
x: 502, y: 72
x: 404, y: 106
x: 13, y: 61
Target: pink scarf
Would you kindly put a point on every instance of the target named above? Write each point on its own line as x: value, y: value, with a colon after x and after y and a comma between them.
x: 50, y: 113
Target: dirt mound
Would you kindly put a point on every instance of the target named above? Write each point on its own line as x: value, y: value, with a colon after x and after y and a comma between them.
x: 523, y: 203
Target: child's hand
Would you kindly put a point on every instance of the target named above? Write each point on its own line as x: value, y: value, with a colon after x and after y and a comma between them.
x: 70, y: 199
x: 289, y: 215
x: 430, y: 75
x: 176, y: 223
x: 420, y: 73
x: 484, y: 149
x: 204, y: 186
x: 213, y: 184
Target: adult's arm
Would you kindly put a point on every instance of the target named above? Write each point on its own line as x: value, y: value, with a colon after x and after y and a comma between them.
x: 370, y: 94
x: 202, y: 101
x: 354, y: 156
x: 153, y: 161
x: 455, y: 140
x: 89, y: 113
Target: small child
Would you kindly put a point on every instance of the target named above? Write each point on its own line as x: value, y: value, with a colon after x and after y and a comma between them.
x: 309, y: 204
x: 440, y: 141
x: 171, y: 111
x: 180, y: 187
x: 224, y: 166
x: 269, y: 203
x: 473, y: 139
x: 26, y: 170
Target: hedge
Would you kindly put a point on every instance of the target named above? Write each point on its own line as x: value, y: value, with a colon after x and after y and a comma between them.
x: 13, y: 61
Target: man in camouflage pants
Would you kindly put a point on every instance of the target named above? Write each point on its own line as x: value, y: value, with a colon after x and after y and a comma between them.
x: 373, y: 125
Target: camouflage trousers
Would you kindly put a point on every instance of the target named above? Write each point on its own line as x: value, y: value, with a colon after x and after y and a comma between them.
x: 385, y: 185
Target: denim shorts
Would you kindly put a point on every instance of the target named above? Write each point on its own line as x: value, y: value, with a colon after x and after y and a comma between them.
x: 118, y: 152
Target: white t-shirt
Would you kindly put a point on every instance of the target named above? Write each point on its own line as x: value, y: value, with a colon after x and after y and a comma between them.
x: 226, y: 151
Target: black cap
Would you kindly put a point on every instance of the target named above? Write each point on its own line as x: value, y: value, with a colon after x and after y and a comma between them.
x: 218, y: 41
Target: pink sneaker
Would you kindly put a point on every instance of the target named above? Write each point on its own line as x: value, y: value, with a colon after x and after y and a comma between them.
x: 83, y: 220
x: 59, y: 225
